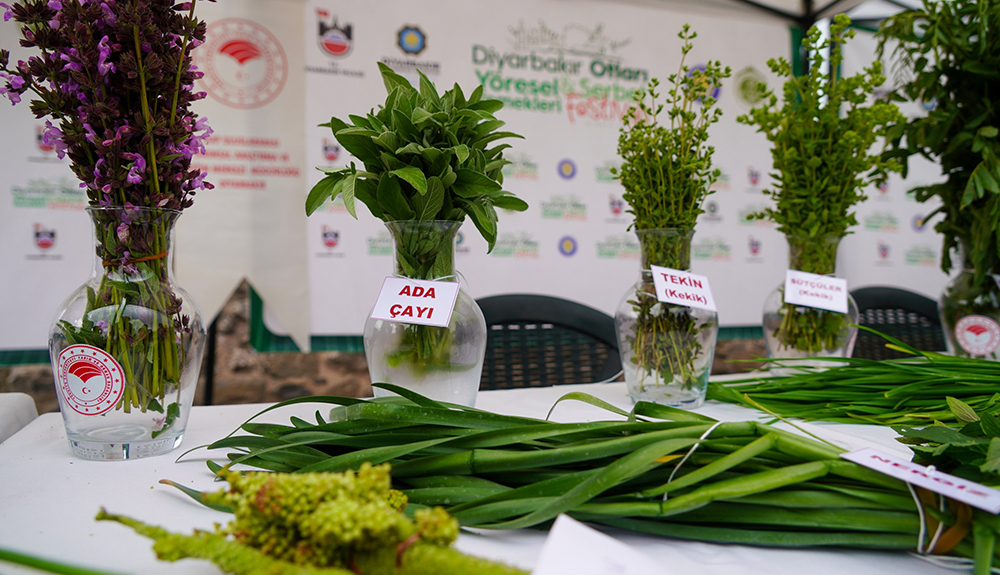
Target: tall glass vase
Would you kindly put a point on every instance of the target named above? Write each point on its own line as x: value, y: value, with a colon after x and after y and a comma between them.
x: 970, y: 313
x: 666, y: 349
x: 794, y: 331
x: 443, y: 363
x: 126, y: 346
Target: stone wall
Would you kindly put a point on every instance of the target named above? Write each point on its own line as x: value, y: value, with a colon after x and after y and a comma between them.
x: 243, y: 375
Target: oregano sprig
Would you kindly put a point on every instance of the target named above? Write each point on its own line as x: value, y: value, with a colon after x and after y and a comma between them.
x: 822, y: 139
x: 667, y: 169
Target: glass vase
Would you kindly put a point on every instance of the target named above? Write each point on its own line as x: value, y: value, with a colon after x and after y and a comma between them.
x: 126, y: 346
x: 794, y: 331
x: 443, y: 363
x: 970, y: 313
x: 666, y: 349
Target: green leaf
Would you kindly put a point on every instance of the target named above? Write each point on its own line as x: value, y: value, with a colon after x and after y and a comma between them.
x: 413, y: 176
x: 323, y: 190
x: 419, y: 116
x: 992, y: 464
x: 486, y: 225
x: 510, y: 203
x: 358, y: 141
x: 350, y: 183
x: 365, y: 190
x: 392, y: 80
x: 963, y: 412
x: 461, y: 153
x: 470, y: 184
x: 427, y: 89
x: 433, y: 200
x: 392, y: 201
x: 336, y: 124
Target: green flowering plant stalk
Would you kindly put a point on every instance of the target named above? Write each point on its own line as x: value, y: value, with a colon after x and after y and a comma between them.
x: 427, y: 158
x: 667, y: 172
x: 950, y: 54
x: 822, y: 137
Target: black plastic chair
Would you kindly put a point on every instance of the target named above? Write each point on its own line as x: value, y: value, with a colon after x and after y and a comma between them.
x: 902, y: 314
x: 539, y: 341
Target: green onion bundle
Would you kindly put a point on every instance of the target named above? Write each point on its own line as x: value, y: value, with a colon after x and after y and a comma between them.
x: 660, y: 471
x: 903, y: 391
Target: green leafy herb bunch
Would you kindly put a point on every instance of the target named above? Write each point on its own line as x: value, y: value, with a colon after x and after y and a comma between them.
x: 666, y: 173
x: 426, y: 157
x: 429, y: 161
x: 823, y: 136
x: 950, y: 54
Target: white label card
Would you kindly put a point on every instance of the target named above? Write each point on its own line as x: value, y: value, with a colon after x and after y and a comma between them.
x: 974, y: 494
x: 814, y: 290
x: 572, y: 547
x: 682, y: 288
x: 418, y: 302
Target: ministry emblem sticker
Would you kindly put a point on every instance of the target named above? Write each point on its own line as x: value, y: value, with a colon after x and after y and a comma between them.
x: 977, y: 334
x: 90, y: 380
x: 244, y: 64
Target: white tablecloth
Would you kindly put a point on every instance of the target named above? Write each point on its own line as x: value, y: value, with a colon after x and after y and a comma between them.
x: 48, y: 498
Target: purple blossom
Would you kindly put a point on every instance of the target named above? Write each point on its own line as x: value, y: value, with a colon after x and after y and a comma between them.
x: 55, y: 4
x: 109, y: 17
x: 53, y: 136
x: 7, y: 14
x: 54, y: 23
x: 122, y: 233
x: 103, y: 66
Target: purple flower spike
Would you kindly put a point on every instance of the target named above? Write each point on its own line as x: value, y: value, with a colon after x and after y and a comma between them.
x: 55, y: 4
x: 122, y: 233
x: 7, y: 14
x: 104, y: 52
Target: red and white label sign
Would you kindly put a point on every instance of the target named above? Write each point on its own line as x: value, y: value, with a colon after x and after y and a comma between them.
x: 418, y: 302
x: 977, y: 334
x: 682, y: 288
x: 976, y: 495
x: 814, y: 290
x: 90, y: 380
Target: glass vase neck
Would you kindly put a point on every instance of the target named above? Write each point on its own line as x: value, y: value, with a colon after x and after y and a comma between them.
x: 130, y: 241
x: 815, y: 255
x: 665, y: 247
x: 424, y: 250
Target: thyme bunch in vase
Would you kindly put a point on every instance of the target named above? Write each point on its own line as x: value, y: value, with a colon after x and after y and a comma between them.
x: 948, y: 54
x: 666, y: 173
x: 822, y: 135
x: 114, y: 81
x: 430, y: 161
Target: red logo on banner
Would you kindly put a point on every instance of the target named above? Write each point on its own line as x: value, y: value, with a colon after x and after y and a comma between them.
x: 244, y: 64
x: 44, y: 238
x: 334, y: 39
x: 330, y: 237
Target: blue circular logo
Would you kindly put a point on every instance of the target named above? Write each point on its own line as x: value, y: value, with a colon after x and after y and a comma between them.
x: 567, y: 245
x: 567, y: 169
x: 411, y: 40
x: 701, y: 68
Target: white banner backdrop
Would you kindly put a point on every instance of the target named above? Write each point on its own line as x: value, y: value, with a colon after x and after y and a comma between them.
x: 566, y: 76
x: 45, y: 238
x: 278, y: 68
x: 252, y: 225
